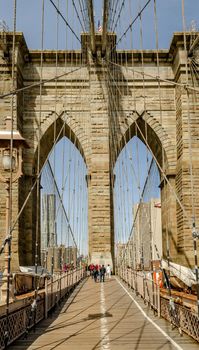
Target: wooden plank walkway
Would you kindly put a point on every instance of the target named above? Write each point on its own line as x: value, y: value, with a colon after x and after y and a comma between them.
x: 103, y: 316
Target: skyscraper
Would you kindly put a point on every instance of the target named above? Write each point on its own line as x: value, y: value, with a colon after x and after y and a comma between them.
x: 48, y: 221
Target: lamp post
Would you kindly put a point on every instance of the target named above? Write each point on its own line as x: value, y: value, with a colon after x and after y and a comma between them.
x: 10, y: 172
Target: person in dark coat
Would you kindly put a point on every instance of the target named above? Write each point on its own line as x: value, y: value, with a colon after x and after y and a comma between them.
x: 95, y: 273
x: 102, y: 273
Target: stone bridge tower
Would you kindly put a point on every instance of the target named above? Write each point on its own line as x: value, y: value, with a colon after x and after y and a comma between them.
x: 81, y: 99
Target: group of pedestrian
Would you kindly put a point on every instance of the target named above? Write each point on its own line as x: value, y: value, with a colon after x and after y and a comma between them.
x: 98, y: 272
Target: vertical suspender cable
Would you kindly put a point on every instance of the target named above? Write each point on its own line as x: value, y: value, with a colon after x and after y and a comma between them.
x: 162, y: 149
x: 62, y: 195
x: 39, y: 145
x: 65, y: 103
x: 194, y: 233
x: 8, y: 247
x: 145, y: 124
x: 54, y: 238
x: 38, y: 170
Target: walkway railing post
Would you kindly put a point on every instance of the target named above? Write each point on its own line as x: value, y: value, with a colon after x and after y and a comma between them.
x: 46, y: 298
x: 158, y: 301
x: 60, y: 286
x: 144, y: 285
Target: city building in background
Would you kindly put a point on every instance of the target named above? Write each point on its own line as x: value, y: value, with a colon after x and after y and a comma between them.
x: 59, y: 256
x: 147, y: 235
x: 141, y: 250
x: 53, y: 256
x: 48, y: 221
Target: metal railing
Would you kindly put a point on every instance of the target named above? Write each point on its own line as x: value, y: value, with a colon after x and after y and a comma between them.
x: 143, y: 285
x: 58, y: 286
x: 180, y: 316
x: 20, y: 321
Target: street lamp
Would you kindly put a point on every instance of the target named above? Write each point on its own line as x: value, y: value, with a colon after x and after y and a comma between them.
x: 10, y: 171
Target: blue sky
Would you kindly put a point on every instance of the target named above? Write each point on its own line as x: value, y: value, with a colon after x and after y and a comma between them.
x: 70, y: 172
x: 29, y: 21
x: 131, y: 173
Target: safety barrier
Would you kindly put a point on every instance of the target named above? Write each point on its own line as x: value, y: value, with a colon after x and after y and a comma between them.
x: 180, y: 316
x: 20, y: 321
x: 58, y: 286
x: 143, y: 286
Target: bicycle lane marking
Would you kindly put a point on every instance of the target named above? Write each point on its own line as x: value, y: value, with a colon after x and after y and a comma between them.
x: 105, y: 341
x: 150, y: 320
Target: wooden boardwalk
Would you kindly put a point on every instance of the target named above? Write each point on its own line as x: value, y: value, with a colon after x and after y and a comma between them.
x: 103, y: 316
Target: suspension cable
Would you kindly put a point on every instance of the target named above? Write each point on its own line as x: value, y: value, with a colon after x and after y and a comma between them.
x: 194, y: 234
x: 59, y: 195
x: 158, y: 164
x: 31, y: 190
x: 157, y: 78
x: 114, y: 14
x: 39, y: 146
x: 119, y: 14
x: 78, y: 16
x: 16, y: 91
x: 65, y: 21
x: 131, y: 24
x: 9, y: 188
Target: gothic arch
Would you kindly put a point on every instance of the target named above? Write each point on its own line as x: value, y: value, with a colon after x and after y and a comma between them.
x: 72, y: 130
x: 27, y: 223
x: 156, y: 137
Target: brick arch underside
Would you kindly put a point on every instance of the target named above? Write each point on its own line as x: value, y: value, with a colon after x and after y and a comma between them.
x: 68, y: 131
x: 156, y: 138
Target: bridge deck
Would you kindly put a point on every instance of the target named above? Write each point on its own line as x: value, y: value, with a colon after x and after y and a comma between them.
x: 103, y: 316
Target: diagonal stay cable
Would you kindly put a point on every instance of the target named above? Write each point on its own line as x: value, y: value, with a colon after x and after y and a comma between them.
x: 155, y: 77
x: 33, y: 186
x: 65, y: 21
x: 119, y: 14
x: 140, y: 201
x: 131, y: 162
x: 160, y: 167
x: 60, y: 198
x: 29, y: 194
x: 78, y: 16
x: 114, y: 14
x: 83, y: 16
x: 131, y: 24
x: 14, y: 92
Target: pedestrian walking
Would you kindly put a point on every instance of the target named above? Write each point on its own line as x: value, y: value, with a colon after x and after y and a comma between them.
x: 108, y: 271
x: 92, y: 270
x: 95, y: 273
x: 102, y: 273
x: 98, y: 277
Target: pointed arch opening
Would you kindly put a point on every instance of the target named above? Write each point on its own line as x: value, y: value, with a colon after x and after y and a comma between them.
x: 146, y: 223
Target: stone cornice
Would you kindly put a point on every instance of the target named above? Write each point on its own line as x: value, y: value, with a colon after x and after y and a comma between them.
x: 126, y: 56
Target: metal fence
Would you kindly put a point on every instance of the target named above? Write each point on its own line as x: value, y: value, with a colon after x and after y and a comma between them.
x: 180, y: 316
x: 59, y: 286
x: 20, y: 321
x: 143, y: 285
